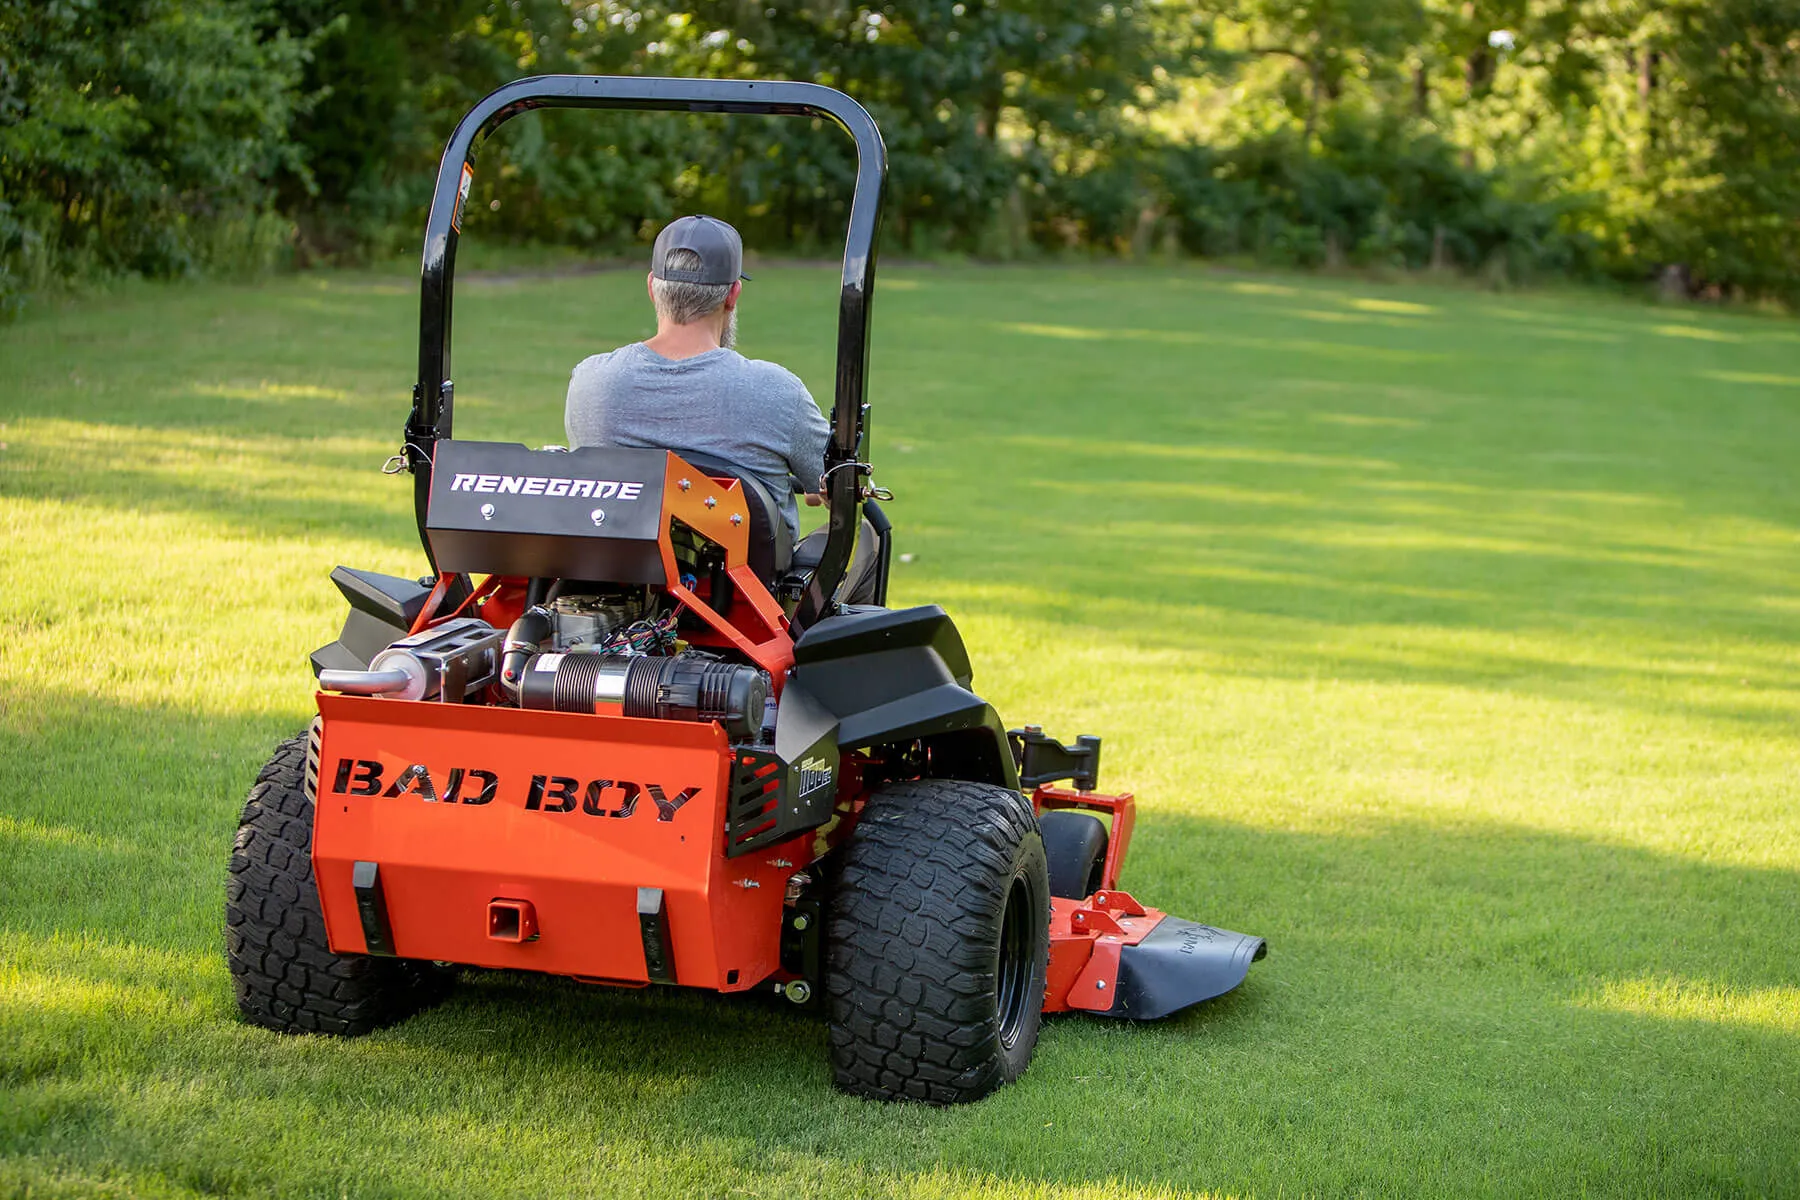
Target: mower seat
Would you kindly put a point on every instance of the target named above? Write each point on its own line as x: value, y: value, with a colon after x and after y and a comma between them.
x: 771, y: 545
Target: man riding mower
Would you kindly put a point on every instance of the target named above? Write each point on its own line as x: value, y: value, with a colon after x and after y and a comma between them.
x: 622, y: 734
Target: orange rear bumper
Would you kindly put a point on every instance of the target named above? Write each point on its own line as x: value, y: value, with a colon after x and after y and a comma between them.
x: 535, y: 840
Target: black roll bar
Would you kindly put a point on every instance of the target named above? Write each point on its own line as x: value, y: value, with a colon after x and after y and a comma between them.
x: 433, y: 411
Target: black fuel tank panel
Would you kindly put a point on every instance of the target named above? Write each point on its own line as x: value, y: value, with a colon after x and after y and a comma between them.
x: 592, y: 513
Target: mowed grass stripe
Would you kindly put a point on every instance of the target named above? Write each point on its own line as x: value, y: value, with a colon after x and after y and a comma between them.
x: 1448, y: 640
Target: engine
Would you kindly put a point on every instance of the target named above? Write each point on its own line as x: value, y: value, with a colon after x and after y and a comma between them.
x: 583, y: 652
x: 589, y: 622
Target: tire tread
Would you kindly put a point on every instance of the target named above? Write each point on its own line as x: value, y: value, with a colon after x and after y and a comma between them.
x: 285, y: 974
x: 910, y: 985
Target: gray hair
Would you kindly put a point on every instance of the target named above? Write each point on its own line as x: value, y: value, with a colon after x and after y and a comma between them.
x: 685, y: 303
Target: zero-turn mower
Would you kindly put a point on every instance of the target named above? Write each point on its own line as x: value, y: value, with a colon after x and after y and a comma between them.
x: 622, y: 733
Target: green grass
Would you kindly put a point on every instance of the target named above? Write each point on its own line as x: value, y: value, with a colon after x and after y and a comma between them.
x: 1450, y: 641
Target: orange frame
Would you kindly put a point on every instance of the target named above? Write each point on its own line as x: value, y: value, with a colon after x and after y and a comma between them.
x: 507, y: 838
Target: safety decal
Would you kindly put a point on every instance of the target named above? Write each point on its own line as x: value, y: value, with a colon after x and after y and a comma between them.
x: 462, y: 197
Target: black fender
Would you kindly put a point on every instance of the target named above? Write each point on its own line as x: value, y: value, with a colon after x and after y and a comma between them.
x: 876, y: 676
x: 382, y: 609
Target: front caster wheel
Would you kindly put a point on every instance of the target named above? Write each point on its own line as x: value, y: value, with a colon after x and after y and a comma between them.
x: 1075, y: 845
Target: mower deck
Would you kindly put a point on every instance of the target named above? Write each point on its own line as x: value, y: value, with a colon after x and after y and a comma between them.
x: 1114, y: 957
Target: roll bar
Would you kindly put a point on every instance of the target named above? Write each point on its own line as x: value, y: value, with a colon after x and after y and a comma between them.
x: 433, y: 410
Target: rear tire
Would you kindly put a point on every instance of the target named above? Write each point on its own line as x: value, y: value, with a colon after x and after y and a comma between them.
x: 286, y: 976
x: 1075, y: 845
x: 938, y: 943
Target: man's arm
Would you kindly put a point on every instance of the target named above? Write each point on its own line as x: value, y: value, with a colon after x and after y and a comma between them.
x: 806, y: 458
x: 581, y: 403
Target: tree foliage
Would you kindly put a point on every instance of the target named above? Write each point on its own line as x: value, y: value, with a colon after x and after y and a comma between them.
x: 1635, y: 137
x: 138, y: 135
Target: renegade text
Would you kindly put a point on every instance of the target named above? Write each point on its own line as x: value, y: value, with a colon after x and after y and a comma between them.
x: 539, y: 485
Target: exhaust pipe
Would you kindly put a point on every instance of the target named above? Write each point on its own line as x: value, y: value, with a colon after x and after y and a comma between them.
x: 364, y: 683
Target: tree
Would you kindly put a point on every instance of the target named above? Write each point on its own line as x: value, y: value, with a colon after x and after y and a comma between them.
x: 1329, y: 41
x: 141, y: 135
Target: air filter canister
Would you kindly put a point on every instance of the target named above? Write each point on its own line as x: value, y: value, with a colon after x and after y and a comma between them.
x: 684, y: 687
x: 698, y: 687
x: 582, y: 683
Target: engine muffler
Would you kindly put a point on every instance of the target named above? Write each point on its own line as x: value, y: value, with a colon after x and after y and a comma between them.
x: 453, y: 662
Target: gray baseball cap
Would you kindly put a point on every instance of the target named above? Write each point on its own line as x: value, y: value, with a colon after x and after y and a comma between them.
x: 720, y: 249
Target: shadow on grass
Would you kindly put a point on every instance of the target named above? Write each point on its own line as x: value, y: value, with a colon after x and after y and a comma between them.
x: 1473, y: 1008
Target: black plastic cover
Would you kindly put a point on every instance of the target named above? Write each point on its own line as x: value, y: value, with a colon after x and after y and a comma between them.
x: 778, y: 793
x: 772, y: 800
x: 382, y: 608
x: 592, y: 513
x: 883, y: 676
x: 392, y: 598
x: 880, y: 630
x: 1181, y: 963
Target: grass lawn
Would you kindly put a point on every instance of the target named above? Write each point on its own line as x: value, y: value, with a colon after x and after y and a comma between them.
x: 1450, y: 641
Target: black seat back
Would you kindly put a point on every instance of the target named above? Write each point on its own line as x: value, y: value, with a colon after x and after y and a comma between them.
x: 771, y: 545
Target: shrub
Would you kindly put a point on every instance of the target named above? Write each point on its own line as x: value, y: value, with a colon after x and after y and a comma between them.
x: 1368, y: 194
x: 140, y: 136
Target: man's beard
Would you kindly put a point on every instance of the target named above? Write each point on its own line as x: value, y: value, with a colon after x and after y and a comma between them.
x: 728, y: 336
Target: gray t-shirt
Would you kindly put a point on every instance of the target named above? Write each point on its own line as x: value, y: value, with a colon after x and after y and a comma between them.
x: 753, y: 414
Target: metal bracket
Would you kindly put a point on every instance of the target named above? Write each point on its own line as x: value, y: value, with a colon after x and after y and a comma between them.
x: 371, y: 906
x: 866, y: 491
x: 653, y: 928
x: 1096, y: 988
x: 1042, y: 759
